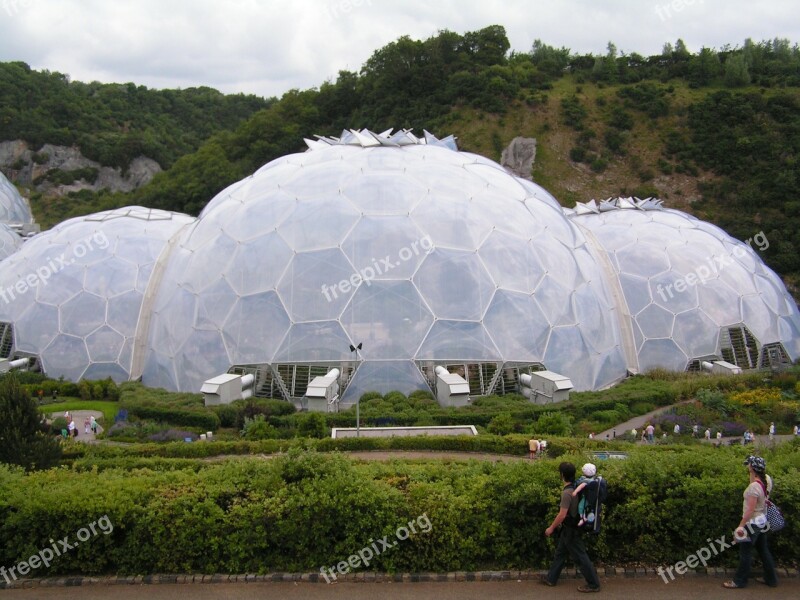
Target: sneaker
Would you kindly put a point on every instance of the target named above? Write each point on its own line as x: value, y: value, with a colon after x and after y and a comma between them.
x: 545, y: 581
x: 764, y: 581
x: 588, y: 588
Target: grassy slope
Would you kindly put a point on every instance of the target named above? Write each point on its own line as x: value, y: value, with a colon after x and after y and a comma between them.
x: 575, y: 182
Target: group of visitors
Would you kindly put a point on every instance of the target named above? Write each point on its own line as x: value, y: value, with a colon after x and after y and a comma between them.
x: 89, y: 425
x: 750, y: 533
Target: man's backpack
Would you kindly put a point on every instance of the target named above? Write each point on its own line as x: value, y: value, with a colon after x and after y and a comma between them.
x: 592, y: 498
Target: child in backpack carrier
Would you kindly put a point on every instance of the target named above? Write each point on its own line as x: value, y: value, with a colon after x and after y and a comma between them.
x: 586, y: 516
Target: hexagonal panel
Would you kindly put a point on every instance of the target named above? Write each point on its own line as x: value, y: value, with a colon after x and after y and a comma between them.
x: 65, y: 357
x: 193, y: 367
x: 664, y: 354
x: 673, y: 292
x: 384, y: 376
x: 719, y: 302
x: 458, y: 340
x: 512, y: 262
x: 389, y: 318
x: 386, y: 247
x: 517, y: 326
x: 35, y: 328
x: 567, y: 353
x: 83, y: 314
x: 641, y: 260
x: 258, y: 265
x: 452, y: 221
x: 110, y: 278
x: 311, y: 342
x: 455, y: 284
x: 656, y: 322
x: 255, y: 327
x: 321, y: 222
x: 207, y: 262
x: 104, y: 345
x: 555, y: 300
x: 246, y: 220
x: 214, y: 305
x: 696, y: 333
x: 384, y: 193
x: 317, y: 285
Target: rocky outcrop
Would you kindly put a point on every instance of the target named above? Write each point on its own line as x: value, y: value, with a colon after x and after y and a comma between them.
x: 47, y: 170
x: 518, y: 157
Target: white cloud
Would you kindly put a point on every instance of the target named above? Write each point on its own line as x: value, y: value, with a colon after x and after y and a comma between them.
x: 267, y: 47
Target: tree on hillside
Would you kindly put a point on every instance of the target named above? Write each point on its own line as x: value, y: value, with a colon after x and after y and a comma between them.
x: 24, y: 436
x: 703, y: 67
x: 736, y: 72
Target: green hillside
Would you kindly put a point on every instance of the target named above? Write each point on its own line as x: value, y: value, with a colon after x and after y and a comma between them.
x: 114, y: 123
x: 716, y: 132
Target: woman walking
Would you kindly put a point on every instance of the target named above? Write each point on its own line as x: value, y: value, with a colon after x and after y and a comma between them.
x: 752, y: 529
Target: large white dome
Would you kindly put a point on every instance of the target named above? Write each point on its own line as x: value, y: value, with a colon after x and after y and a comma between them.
x: 422, y: 254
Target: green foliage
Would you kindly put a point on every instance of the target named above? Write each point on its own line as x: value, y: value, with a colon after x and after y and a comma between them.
x: 113, y: 123
x: 553, y: 423
x: 303, y: 510
x: 502, y: 424
x: 257, y: 428
x: 573, y: 112
x: 312, y: 425
x: 25, y: 439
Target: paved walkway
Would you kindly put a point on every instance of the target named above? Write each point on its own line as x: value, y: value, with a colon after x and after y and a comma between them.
x: 635, y: 422
x: 652, y: 588
x: 78, y: 416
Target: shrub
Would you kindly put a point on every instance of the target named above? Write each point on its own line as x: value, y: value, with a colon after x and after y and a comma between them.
x: 25, y: 438
x: 257, y: 428
x: 553, y: 423
x: 502, y: 424
x: 312, y: 425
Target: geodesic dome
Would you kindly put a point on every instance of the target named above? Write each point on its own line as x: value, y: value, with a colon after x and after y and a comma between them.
x: 73, y: 294
x: 422, y: 254
x: 13, y: 207
x: 692, y: 292
x: 10, y: 241
x: 386, y: 256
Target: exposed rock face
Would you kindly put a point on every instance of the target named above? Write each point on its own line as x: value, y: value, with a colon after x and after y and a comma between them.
x: 518, y: 157
x: 17, y: 162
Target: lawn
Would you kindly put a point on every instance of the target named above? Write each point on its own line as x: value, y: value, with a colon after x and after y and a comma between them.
x: 109, y: 409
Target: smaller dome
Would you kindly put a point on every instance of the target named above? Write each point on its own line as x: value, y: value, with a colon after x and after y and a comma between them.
x: 9, y: 241
x: 14, y: 209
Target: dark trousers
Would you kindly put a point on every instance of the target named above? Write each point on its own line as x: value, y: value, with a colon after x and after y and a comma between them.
x: 570, y: 543
x: 759, y: 541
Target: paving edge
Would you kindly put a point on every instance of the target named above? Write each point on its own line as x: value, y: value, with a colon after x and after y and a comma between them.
x: 362, y: 577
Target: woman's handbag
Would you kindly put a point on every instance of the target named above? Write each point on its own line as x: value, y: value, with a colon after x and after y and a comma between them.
x: 775, y: 518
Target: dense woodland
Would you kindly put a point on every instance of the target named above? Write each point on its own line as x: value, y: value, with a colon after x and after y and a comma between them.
x: 712, y: 131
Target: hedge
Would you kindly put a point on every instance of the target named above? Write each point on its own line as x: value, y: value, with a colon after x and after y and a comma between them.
x: 514, y: 444
x: 303, y: 510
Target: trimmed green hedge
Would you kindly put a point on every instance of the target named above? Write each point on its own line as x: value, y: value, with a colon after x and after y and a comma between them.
x: 303, y: 510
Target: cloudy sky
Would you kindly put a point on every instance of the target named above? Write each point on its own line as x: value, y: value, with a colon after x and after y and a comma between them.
x: 266, y: 47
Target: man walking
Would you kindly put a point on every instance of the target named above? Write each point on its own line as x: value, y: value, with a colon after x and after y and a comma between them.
x: 569, y: 539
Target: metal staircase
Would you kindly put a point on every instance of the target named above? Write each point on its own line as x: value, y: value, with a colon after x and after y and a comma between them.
x: 740, y: 347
